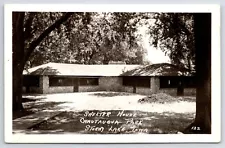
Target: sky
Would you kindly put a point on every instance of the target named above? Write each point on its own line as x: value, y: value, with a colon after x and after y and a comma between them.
x: 154, y: 55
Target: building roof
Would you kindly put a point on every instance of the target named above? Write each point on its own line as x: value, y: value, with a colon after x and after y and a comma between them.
x: 61, y: 69
x: 79, y: 69
x: 162, y: 69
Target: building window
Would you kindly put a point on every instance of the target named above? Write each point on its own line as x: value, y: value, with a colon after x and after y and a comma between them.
x: 169, y: 82
x: 128, y: 81
x: 175, y: 82
x: 63, y: 81
x: 140, y: 81
x: 29, y: 80
x: 60, y: 81
x: 88, y: 81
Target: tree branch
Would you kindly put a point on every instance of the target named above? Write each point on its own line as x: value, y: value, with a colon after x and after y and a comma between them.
x: 45, y: 33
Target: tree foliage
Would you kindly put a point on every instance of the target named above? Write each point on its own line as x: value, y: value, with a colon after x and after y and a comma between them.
x: 89, y: 38
x: 173, y: 33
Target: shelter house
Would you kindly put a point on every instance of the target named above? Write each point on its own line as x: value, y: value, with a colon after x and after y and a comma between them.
x: 141, y: 79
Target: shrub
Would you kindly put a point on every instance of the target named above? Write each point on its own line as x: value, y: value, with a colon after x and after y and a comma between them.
x: 158, y: 98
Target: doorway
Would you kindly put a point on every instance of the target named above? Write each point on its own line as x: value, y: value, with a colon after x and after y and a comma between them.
x: 75, y: 84
x: 180, y: 88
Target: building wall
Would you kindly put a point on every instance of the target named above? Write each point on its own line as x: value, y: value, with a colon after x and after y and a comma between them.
x: 88, y: 88
x: 128, y: 89
x: 44, y: 84
x: 110, y: 84
x: 45, y: 88
x: 173, y: 91
x: 59, y: 89
x: 105, y: 84
x: 170, y: 91
x: 143, y: 90
x: 155, y: 84
x: 69, y: 89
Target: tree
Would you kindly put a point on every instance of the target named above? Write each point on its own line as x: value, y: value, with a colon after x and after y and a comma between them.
x: 173, y: 33
x: 187, y: 40
x: 25, y: 40
x: 202, y: 30
x: 92, y: 38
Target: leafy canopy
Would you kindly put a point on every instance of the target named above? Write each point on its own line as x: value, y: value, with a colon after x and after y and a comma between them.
x: 87, y: 38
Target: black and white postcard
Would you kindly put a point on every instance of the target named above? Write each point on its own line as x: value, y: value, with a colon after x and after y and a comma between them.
x: 112, y: 73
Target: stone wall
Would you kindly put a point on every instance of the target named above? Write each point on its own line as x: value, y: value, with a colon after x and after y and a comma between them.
x: 155, y: 84
x: 143, y: 90
x: 88, y: 88
x: 110, y: 84
x: 173, y: 91
x: 45, y: 88
x: 170, y: 91
x: 44, y: 84
x: 128, y: 89
x: 59, y: 89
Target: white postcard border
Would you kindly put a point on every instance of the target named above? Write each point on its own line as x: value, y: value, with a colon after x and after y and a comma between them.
x: 137, y: 138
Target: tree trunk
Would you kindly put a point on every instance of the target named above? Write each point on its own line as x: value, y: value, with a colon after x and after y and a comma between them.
x: 19, y: 55
x: 17, y: 89
x: 202, y: 27
x: 18, y: 61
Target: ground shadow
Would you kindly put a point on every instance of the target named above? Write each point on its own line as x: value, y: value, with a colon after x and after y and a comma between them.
x: 19, y: 114
x: 29, y: 100
x: 26, y: 111
x: 39, y: 106
x: 34, y: 105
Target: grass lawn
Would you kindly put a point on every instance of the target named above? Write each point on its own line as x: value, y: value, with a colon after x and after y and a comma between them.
x: 159, y: 113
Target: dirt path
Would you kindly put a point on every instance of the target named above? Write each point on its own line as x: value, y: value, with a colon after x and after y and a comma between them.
x: 112, y: 101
